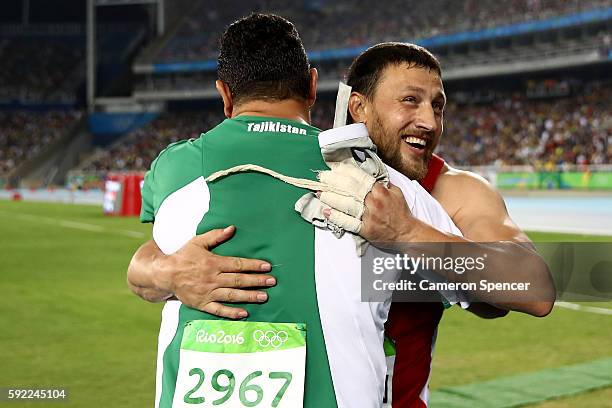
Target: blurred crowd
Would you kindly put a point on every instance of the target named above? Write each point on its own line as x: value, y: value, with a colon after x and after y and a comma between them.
x: 514, y: 130
x: 137, y: 150
x: 24, y: 134
x: 327, y: 24
x: 37, y: 69
x: 547, y: 134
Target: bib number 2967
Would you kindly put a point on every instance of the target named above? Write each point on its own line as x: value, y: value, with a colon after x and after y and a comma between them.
x: 229, y: 364
x: 249, y: 392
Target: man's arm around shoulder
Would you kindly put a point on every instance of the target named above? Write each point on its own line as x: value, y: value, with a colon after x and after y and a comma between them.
x: 480, y: 213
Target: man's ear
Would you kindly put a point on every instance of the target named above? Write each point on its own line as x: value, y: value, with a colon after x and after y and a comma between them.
x: 226, y: 95
x: 312, y: 92
x: 358, y: 107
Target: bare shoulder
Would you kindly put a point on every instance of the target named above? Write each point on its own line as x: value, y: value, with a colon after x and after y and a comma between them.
x: 461, y: 191
x: 475, y: 206
x: 457, y: 180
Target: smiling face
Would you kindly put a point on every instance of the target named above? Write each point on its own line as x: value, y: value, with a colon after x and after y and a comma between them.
x: 404, y: 117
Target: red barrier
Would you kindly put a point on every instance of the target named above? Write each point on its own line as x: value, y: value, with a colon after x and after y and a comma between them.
x: 122, y: 194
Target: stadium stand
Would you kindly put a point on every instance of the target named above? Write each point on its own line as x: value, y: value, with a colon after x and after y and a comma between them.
x: 24, y: 134
x: 38, y: 69
x: 139, y: 148
x: 556, y: 40
x: 509, y: 130
x: 562, y: 125
x: 45, y: 63
x: 326, y: 24
x: 574, y: 130
x: 136, y: 151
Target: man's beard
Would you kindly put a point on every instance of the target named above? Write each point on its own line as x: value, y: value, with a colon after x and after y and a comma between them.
x: 389, y: 149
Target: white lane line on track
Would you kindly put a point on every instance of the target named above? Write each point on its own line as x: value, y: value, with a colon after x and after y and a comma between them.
x: 73, y: 224
x: 581, y: 308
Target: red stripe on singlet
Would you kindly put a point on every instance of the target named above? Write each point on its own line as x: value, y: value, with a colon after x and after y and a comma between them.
x: 435, y: 167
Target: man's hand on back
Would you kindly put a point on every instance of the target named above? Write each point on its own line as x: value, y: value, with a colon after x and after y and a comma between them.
x: 199, y: 278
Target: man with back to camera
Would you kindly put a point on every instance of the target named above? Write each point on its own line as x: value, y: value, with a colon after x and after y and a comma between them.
x: 267, y: 104
x: 480, y: 215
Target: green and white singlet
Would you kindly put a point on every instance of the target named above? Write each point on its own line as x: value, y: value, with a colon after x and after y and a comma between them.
x: 314, y: 335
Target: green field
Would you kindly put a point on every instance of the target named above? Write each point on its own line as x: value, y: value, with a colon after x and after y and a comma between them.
x: 69, y: 320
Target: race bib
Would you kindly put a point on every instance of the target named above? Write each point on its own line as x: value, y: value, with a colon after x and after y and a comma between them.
x: 230, y: 364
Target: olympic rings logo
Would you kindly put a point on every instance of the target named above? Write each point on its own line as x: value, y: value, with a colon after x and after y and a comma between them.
x: 270, y: 338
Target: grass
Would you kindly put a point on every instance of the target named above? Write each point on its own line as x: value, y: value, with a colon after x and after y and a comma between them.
x: 69, y: 320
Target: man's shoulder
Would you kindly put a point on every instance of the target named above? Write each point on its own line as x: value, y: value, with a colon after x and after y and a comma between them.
x: 182, y: 148
x: 465, y: 192
x: 175, y: 166
x: 179, y: 156
x: 458, y: 182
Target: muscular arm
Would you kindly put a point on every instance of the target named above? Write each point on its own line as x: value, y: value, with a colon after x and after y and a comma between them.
x: 479, y: 212
x: 142, y: 272
x: 476, y: 208
x: 197, y: 277
x: 479, y: 220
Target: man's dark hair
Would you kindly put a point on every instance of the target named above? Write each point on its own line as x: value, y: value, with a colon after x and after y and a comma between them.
x: 261, y: 56
x: 366, y: 70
